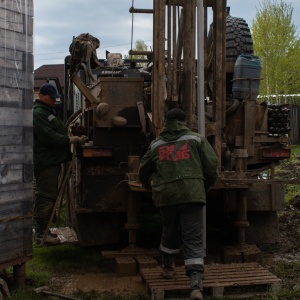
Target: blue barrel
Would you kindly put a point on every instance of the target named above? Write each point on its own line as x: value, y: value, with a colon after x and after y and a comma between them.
x: 246, y: 77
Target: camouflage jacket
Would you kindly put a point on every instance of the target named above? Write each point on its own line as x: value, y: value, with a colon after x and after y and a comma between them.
x: 50, y: 139
x: 180, y: 164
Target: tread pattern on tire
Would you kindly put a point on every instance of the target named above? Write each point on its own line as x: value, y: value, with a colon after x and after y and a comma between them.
x: 238, y: 38
x: 238, y: 41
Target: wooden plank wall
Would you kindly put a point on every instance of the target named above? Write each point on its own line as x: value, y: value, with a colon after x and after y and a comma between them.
x: 16, y: 138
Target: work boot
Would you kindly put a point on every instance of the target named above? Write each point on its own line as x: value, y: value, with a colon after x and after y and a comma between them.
x: 168, y: 263
x: 196, y: 285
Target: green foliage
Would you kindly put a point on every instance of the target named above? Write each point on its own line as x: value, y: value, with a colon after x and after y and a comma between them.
x: 276, y: 43
x: 140, y: 45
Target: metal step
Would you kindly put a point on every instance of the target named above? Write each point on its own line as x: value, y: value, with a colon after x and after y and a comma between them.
x: 230, y: 280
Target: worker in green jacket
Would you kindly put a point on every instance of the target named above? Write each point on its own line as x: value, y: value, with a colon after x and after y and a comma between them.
x: 181, y: 166
x: 51, y: 148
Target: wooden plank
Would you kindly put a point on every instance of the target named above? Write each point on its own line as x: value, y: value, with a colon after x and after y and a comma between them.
x: 11, y: 140
x: 12, y: 64
x: 15, y: 149
x: 15, y: 239
x: 17, y: 41
x: 14, y: 116
x: 10, y: 130
x: 23, y: 7
x: 16, y: 98
x: 16, y: 187
x: 13, y: 249
x: 15, y: 210
x: 16, y: 22
x: 10, y: 78
x: 11, y: 174
x: 15, y: 135
x: 12, y: 21
x: 10, y: 59
x: 18, y: 157
x: 15, y: 195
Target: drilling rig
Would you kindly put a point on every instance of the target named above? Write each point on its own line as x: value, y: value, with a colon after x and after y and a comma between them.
x: 202, y: 61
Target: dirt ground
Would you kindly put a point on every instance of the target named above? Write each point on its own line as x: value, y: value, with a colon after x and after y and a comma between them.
x: 102, y: 283
x: 287, y: 250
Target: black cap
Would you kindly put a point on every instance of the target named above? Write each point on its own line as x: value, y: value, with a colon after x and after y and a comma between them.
x: 175, y: 114
x: 49, y: 89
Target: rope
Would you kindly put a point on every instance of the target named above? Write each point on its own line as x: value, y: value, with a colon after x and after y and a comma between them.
x: 132, y: 19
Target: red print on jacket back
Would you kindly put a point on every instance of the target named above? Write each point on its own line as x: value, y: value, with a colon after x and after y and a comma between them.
x: 169, y: 153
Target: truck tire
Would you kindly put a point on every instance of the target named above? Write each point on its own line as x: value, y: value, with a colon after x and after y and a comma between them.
x: 238, y: 38
x: 238, y: 41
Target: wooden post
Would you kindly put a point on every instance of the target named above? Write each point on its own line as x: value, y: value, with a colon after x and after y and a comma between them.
x: 158, y: 95
x: 189, y: 61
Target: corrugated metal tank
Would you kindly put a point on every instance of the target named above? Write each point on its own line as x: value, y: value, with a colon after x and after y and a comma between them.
x: 16, y: 135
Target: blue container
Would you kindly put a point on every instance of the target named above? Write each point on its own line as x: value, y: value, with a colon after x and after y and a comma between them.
x: 246, y: 77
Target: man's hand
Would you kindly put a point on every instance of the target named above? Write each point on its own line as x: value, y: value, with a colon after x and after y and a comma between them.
x: 78, y: 139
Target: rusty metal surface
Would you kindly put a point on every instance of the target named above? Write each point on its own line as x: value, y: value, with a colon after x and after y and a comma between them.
x: 122, y: 96
x: 261, y: 197
x: 218, y: 279
x: 98, y: 228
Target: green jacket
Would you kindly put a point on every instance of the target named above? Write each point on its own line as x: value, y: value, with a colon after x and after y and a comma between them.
x: 50, y: 139
x: 180, y: 164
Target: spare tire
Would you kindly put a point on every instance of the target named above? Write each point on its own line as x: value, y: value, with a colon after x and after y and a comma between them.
x: 238, y: 41
x: 238, y: 38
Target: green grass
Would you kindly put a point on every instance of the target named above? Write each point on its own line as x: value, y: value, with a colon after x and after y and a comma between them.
x: 71, y: 257
x: 289, y: 274
x: 290, y: 169
x: 55, y: 261
x: 293, y: 166
x: 48, y: 262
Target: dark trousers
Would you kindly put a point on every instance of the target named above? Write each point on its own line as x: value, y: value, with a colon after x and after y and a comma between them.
x: 46, y: 190
x: 182, y: 224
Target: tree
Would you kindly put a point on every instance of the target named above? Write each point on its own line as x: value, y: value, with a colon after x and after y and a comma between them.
x: 140, y: 45
x: 276, y: 43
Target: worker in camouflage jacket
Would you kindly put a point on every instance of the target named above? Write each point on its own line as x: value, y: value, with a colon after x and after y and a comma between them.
x: 51, y: 148
x: 181, y: 166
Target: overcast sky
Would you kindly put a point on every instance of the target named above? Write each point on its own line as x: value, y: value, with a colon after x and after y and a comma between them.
x: 57, y: 21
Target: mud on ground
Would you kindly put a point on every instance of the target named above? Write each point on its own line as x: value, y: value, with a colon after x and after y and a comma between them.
x: 287, y: 251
